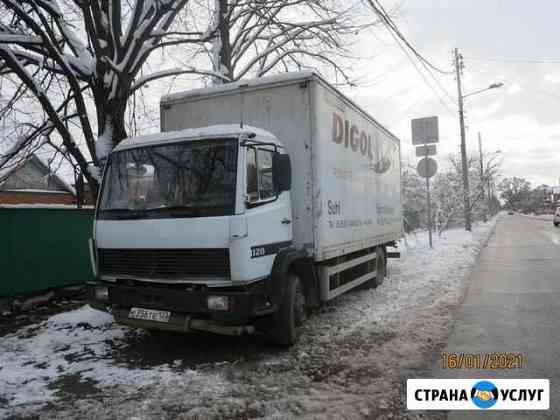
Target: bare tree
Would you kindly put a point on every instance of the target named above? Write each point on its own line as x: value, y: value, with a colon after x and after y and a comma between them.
x: 415, y: 210
x: 255, y: 37
x: 448, y: 189
x: 76, y: 56
x: 515, y: 192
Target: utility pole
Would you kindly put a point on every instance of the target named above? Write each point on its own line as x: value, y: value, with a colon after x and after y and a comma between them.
x: 466, y: 191
x: 482, y: 194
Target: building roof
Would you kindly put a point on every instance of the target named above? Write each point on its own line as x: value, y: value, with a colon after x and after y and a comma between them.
x: 33, y: 159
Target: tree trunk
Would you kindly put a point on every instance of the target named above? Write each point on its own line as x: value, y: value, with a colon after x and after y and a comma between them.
x: 221, y: 44
x: 111, y: 129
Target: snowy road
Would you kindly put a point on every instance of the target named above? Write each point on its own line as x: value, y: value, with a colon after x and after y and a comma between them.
x: 513, y: 305
x: 351, y: 362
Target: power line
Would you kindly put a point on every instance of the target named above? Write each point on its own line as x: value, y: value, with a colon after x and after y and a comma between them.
x: 382, y: 13
x: 398, y: 41
x: 423, y: 61
x: 445, y: 105
x: 515, y: 60
x: 437, y: 81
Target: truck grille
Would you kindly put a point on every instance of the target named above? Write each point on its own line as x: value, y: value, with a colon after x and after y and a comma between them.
x: 165, y: 263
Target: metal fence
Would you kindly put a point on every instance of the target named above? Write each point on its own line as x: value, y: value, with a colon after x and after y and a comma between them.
x: 43, y: 248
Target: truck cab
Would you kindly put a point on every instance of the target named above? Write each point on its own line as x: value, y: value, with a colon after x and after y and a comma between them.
x: 187, y: 229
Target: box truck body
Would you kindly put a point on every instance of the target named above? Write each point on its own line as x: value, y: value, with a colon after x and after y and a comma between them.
x: 315, y: 199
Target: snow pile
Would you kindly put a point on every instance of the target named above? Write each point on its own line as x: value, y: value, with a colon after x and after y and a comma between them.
x: 74, y: 343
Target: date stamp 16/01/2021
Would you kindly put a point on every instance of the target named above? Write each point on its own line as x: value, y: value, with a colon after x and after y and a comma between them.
x: 490, y: 361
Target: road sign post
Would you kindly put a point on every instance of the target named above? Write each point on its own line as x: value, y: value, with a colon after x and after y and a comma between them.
x: 427, y: 168
x: 429, y: 200
x: 425, y: 131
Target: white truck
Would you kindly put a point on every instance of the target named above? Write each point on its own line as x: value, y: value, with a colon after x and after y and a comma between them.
x: 259, y: 200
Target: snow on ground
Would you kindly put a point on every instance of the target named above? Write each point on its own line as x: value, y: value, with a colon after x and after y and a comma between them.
x: 352, y: 360
x: 72, y: 347
x: 545, y: 217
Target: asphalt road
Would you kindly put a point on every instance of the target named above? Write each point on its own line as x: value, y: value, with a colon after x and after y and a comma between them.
x: 513, y: 305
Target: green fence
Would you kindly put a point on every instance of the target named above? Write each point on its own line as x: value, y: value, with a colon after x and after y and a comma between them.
x: 43, y: 248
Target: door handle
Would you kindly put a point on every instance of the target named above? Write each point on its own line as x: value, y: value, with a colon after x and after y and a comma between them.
x: 286, y: 221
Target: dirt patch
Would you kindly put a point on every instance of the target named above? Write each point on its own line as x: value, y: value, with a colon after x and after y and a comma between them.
x: 12, y: 321
x: 142, y: 349
x: 71, y: 386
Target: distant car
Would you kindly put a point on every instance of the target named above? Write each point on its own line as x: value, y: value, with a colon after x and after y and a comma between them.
x: 556, y: 218
x: 510, y: 212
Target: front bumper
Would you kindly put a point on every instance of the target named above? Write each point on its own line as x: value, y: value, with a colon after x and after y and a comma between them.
x: 189, y: 308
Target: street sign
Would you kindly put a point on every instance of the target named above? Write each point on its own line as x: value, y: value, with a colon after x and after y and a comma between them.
x: 426, y: 150
x: 425, y: 130
x: 427, y: 167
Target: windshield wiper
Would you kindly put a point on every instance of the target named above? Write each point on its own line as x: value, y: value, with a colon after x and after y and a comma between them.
x: 190, y: 211
x: 126, y: 213
x: 176, y: 211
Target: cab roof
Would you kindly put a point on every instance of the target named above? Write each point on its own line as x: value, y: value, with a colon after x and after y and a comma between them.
x: 214, y: 131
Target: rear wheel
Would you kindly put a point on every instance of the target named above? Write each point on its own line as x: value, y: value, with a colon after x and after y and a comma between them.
x: 381, y: 265
x: 291, y: 315
x: 556, y: 224
x: 378, y: 264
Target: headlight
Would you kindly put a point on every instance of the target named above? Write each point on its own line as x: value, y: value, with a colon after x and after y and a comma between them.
x: 101, y: 293
x: 218, y: 303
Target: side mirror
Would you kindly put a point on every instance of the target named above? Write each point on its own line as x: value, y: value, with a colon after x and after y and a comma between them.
x: 281, y: 172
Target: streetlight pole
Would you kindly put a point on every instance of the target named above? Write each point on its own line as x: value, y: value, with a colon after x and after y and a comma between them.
x: 464, y: 166
x: 466, y: 190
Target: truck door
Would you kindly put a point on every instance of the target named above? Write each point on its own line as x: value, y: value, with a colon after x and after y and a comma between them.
x: 268, y: 215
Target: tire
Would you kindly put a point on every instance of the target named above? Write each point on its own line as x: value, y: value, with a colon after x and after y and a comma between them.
x: 286, y: 322
x: 556, y: 224
x: 381, y: 265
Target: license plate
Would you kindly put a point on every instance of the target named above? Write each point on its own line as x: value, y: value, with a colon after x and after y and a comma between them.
x: 149, y: 315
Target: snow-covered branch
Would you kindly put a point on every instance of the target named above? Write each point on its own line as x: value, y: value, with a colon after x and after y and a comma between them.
x: 94, y: 50
x: 174, y: 72
x: 259, y: 37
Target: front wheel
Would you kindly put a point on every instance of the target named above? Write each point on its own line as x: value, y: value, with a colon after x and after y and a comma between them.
x: 290, y: 316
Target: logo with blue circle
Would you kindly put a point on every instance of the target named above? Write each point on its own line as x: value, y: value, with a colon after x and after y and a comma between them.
x: 484, y: 394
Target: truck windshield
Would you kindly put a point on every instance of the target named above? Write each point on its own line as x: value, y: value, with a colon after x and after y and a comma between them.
x: 194, y: 179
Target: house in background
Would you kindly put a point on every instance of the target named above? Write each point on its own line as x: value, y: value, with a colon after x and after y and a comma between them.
x: 31, y: 182
x: 552, y: 196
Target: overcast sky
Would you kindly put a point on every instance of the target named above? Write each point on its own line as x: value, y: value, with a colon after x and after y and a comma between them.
x: 509, y: 41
